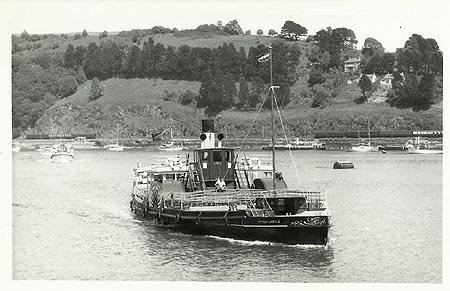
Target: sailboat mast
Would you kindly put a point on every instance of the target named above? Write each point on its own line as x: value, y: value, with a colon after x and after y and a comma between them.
x: 272, y: 121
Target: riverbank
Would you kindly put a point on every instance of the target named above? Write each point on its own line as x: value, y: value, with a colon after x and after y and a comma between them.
x: 251, y: 144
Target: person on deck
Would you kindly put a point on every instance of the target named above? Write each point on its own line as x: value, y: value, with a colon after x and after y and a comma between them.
x: 220, y: 185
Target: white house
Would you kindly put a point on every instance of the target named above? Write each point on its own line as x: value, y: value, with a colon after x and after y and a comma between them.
x: 386, y: 81
x: 352, y: 65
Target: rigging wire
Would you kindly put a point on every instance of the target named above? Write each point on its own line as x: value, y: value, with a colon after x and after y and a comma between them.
x: 286, y: 139
x: 248, y: 132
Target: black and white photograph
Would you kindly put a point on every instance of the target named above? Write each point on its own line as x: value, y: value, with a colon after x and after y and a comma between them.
x: 224, y: 144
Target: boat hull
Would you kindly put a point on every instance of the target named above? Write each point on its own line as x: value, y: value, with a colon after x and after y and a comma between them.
x: 364, y: 149
x: 424, y: 151
x: 293, y: 230
x: 62, y: 157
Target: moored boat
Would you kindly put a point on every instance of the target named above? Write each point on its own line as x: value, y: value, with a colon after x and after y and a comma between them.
x: 170, y: 147
x: 15, y: 148
x: 424, y: 147
x: 298, y: 145
x: 62, y: 153
x: 114, y: 147
x: 365, y: 147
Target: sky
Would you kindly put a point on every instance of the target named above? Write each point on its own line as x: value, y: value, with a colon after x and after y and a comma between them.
x: 391, y: 22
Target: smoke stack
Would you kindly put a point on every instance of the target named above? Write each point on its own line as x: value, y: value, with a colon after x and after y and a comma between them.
x: 207, y: 135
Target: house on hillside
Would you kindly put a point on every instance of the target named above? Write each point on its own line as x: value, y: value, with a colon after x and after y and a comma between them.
x: 352, y: 65
x: 386, y: 81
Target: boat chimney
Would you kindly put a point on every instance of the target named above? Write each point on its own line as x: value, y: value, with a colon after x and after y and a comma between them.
x: 207, y: 136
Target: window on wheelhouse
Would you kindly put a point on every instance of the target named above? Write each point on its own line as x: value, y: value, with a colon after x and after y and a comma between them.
x: 217, y: 156
x: 228, y: 156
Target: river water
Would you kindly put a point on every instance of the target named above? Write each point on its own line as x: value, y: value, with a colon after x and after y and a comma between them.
x: 72, y: 221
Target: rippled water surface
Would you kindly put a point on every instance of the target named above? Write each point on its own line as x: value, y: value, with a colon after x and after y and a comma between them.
x: 72, y: 221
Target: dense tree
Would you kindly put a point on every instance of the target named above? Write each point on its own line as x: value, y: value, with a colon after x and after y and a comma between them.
x: 321, y: 96
x: 24, y: 34
x: 103, y: 34
x: 206, y: 92
x: 216, y: 93
x: 243, y: 93
x: 96, y: 90
x: 233, y: 28
x: 84, y: 33
x: 272, y: 32
x: 420, y: 56
x: 316, y: 77
x: 69, y: 57
x: 80, y: 77
x: 79, y: 55
x: 112, y: 56
x: 132, y: 66
x: 424, y: 97
x: 379, y: 63
x: 365, y: 85
x: 335, y: 41
x: 371, y: 45
x: 94, y: 65
x: 258, y: 90
x: 259, y: 32
x: 67, y: 86
x: 292, y: 30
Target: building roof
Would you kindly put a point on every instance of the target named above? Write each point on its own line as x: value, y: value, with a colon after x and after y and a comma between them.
x: 353, y: 60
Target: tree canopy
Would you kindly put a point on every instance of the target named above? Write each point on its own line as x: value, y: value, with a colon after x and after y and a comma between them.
x: 292, y: 30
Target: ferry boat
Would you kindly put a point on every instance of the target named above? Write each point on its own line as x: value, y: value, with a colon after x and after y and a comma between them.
x: 256, y: 204
x: 62, y: 153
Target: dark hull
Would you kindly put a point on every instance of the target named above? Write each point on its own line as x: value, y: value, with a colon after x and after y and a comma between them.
x: 236, y: 225
x: 392, y: 148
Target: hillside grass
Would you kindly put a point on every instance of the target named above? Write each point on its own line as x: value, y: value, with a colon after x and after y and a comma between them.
x: 57, y: 44
x: 124, y: 92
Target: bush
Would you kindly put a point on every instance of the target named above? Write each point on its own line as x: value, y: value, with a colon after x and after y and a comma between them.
x: 67, y: 86
x: 96, y: 90
x: 321, y: 96
x: 187, y: 98
x: 315, y: 77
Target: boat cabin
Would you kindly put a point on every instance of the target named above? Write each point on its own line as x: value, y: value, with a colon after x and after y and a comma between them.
x: 283, y: 205
x: 213, y: 163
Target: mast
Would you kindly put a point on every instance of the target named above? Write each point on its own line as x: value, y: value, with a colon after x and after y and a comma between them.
x: 272, y: 122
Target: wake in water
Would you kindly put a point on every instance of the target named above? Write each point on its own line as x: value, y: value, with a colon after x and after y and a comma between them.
x: 110, y: 211
x: 265, y: 243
